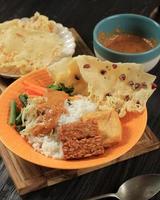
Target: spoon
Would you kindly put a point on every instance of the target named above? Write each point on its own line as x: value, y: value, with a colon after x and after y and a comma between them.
x: 141, y: 187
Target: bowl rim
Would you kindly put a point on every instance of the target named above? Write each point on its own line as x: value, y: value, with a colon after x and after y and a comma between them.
x: 156, y: 48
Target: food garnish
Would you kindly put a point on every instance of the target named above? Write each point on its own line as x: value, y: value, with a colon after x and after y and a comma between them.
x: 131, y: 83
x: 23, y: 98
x: 13, y: 113
x: 33, y: 89
x: 15, y: 117
x: 114, y: 66
x: 122, y: 77
x: 86, y: 66
x: 137, y: 86
x: 62, y: 87
x: 103, y: 71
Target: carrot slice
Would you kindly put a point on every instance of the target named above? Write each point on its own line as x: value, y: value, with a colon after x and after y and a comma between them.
x: 32, y: 89
x: 31, y: 93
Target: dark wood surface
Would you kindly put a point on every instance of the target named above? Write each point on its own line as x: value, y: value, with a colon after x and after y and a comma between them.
x: 83, y: 15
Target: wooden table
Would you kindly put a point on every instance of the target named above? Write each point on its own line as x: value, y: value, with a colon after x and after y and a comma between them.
x: 83, y: 15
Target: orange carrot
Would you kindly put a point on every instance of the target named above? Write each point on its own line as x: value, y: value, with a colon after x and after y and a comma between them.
x: 33, y: 89
x: 31, y: 93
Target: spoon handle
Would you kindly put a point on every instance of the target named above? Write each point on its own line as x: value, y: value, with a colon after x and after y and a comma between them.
x: 104, y: 196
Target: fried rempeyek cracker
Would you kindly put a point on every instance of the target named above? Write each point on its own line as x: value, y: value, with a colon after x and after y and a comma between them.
x: 124, y: 87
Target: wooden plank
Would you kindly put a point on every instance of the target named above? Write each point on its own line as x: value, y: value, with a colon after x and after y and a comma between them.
x: 3, y: 85
x: 25, y: 175
x: 81, y: 47
x: 30, y: 177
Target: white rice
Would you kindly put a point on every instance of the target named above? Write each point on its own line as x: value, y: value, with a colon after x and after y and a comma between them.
x: 46, y: 145
x: 49, y: 145
x: 76, y: 109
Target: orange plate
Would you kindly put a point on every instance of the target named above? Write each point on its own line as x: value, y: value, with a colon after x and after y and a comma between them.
x: 133, y: 128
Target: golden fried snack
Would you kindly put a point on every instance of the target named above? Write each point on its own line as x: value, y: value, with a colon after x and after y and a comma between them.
x: 109, y: 125
x: 81, y: 140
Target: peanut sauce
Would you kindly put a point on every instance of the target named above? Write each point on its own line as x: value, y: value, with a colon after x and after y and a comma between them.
x: 49, y: 112
x: 56, y: 98
x: 124, y: 42
x: 56, y: 102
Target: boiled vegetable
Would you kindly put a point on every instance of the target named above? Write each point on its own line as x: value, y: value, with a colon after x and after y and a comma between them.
x: 23, y: 98
x: 13, y: 113
x: 33, y: 89
x: 61, y: 87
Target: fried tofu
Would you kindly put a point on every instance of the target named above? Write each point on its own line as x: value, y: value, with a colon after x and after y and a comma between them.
x: 109, y: 125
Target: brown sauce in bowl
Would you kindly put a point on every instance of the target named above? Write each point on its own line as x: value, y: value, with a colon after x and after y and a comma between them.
x: 124, y: 42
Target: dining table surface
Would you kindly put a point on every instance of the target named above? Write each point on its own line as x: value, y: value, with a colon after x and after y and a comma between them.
x: 83, y: 15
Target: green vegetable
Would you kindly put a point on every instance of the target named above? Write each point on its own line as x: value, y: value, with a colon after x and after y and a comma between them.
x: 19, y: 119
x: 13, y: 112
x: 62, y: 87
x: 23, y: 98
x: 54, y: 87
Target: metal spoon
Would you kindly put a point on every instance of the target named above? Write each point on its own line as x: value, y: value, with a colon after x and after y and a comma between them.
x: 141, y: 187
